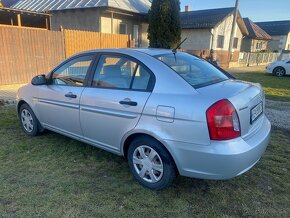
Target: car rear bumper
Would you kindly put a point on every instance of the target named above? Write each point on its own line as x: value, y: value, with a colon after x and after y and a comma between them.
x: 222, y: 159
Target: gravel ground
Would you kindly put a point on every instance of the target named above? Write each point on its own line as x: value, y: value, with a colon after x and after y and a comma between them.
x: 278, y: 113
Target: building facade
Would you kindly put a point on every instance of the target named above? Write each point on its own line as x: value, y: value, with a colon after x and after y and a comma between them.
x: 211, y: 29
x: 280, y: 33
x: 257, y: 40
x: 106, y: 16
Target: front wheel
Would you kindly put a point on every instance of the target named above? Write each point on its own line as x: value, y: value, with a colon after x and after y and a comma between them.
x: 151, y: 164
x: 28, y: 120
x: 279, y: 71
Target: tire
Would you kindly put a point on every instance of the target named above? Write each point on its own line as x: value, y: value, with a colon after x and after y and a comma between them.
x: 154, y: 172
x: 29, y: 123
x: 279, y: 71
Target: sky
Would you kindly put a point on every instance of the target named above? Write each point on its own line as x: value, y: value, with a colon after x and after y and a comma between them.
x: 256, y: 10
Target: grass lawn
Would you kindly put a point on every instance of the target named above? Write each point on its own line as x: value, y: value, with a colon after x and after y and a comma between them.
x: 54, y: 176
x: 275, y: 88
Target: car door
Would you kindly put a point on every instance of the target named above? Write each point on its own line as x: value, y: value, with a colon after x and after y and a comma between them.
x: 113, y: 104
x: 58, y: 102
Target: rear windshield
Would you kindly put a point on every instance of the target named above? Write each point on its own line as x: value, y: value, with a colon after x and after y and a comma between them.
x: 196, y: 72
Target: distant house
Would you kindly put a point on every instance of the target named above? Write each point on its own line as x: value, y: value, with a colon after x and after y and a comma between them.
x: 106, y: 16
x: 280, y: 33
x: 211, y: 29
x: 257, y: 40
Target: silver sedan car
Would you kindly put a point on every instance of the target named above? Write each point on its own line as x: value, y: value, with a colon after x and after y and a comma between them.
x: 166, y: 112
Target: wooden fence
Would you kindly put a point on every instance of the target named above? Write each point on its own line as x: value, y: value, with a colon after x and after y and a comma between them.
x: 77, y: 41
x: 26, y: 52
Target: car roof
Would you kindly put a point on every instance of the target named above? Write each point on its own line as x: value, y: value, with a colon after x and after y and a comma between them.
x: 154, y: 51
x: 148, y: 51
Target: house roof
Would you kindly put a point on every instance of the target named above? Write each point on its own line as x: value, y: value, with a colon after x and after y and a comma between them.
x: 206, y: 19
x: 136, y: 6
x: 255, y: 32
x: 8, y: 3
x: 275, y: 28
x: 17, y: 11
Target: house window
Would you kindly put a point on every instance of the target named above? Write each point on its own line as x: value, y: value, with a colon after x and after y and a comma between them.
x: 220, y: 41
x: 259, y: 45
x: 123, y: 28
x: 236, y: 42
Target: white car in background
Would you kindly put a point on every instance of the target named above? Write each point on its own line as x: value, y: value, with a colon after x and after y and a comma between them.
x: 279, y: 68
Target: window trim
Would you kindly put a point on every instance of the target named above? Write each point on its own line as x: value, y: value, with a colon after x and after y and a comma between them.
x: 223, y: 42
x: 151, y: 83
x: 50, y: 75
x: 237, y: 41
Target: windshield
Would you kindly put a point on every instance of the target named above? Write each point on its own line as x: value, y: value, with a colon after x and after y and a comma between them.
x: 196, y: 72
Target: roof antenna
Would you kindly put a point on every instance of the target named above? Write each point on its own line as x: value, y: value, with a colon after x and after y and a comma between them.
x: 178, y: 46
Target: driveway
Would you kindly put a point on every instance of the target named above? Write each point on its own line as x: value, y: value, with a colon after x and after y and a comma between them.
x: 278, y: 113
x: 8, y: 92
x: 247, y: 69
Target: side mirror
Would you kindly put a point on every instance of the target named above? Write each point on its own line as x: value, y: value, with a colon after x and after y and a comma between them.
x: 39, y: 80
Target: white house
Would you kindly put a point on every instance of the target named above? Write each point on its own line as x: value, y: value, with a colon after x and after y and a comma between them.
x: 280, y: 33
x: 211, y: 29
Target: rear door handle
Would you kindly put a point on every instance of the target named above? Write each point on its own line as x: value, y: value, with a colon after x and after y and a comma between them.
x: 130, y: 103
x: 70, y: 95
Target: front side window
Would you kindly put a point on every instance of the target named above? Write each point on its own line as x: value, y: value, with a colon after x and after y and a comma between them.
x: 196, y: 72
x: 119, y: 72
x: 73, y: 73
x: 220, y: 41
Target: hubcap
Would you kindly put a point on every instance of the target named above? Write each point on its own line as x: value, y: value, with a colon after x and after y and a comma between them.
x: 27, y: 120
x: 148, y: 164
x: 279, y: 72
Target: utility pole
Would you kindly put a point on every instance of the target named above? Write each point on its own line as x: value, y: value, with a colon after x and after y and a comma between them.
x: 233, y: 30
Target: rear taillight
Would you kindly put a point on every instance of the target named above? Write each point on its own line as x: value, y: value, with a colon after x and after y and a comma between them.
x: 223, y: 121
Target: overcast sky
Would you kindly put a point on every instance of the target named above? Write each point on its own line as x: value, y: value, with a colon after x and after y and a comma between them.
x: 256, y: 10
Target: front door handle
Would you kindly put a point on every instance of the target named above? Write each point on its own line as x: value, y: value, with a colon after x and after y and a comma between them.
x: 70, y: 95
x: 130, y: 103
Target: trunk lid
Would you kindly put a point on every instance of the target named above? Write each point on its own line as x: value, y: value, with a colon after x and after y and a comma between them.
x: 244, y: 96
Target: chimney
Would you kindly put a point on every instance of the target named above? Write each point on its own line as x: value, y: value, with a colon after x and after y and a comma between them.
x: 187, y: 8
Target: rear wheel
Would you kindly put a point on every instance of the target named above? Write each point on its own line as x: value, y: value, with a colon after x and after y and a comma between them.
x: 28, y: 120
x: 151, y: 164
x: 279, y: 71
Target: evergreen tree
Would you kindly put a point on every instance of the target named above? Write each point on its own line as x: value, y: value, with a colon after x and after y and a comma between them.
x: 164, y: 24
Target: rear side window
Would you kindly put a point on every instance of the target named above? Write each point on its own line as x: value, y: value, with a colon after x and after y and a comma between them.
x: 73, y: 73
x: 118, y: 72
x: 196, y: 72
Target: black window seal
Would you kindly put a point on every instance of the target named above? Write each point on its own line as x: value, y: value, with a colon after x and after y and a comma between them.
x: 151, y: 82
x: 85, y: 84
